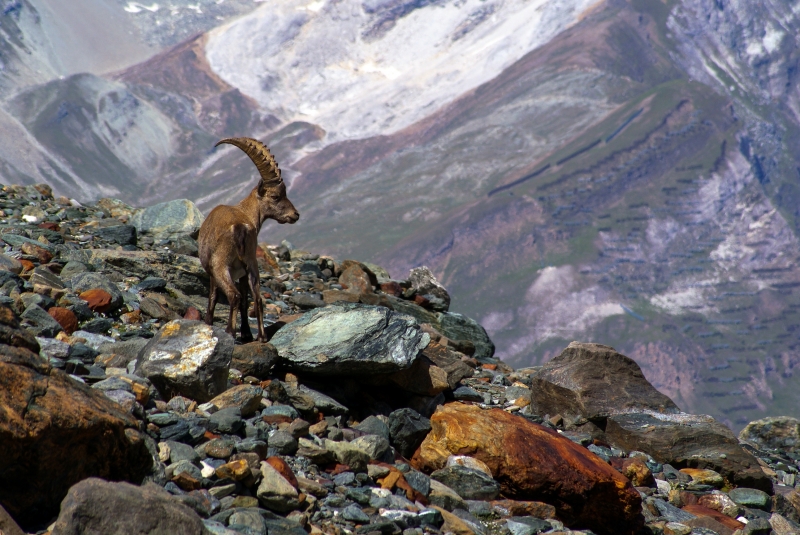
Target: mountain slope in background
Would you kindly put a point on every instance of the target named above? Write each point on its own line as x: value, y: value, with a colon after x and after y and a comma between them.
x: 623, y: 171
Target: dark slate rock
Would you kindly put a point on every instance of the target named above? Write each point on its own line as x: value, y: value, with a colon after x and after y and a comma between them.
x: 283, y: 443
x: 188, y: 358
x: 353, y: 513
x: 372, y: 425
x: 42, y: 301
x: 227, y: 421
x: 407, y: 429
x: 40, y: 323
x: 672, y: 513
x: 350, y: 338
x: 468, y: 483
x: 97, y: 506
x: 178, y: 431
x: 71, y: 269
x: 460, y: 327
x: 15, y: 240
x: 151, y: 284
x: 121, y: 234
x: 98, y: 325
x: 164, y: 418
x: 83, y: 353
x: 179, y: 451
x: 344, y: 479
x: 281, y: 410
x: 419, y: 482
x: 465, y: 393
x: 311, y: 267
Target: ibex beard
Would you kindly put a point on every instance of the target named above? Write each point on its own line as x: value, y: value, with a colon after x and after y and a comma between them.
x: 229, y: 239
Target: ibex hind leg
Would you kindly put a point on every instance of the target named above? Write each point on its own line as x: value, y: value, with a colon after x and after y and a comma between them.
x: 212, y: 301
x: 247, y: 334
x: 258, y: 304
x: 234, y: 298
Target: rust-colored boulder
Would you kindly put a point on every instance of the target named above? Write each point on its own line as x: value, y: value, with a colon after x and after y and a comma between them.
x: 532, y: 462
x: 356, y: 279
x: 56, y: 431
x: 65, y: 317
x: 97, y: 299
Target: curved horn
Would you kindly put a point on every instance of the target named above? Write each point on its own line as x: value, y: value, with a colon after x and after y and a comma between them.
x: 259, y: 153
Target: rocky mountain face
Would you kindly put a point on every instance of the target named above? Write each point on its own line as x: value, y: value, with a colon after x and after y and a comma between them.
x: 623, y: 171
x: 374, y: 408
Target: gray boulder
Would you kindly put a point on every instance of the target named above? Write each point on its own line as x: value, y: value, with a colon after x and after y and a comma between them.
x: 168, y: 220
x: 423, y: 281
x: 460, y: 327
x: 778, y: 432
x: 187, y: 358
x: 408, y: 429
x: 350, y: 338
x: 39, y: 322
x: 94, y: 507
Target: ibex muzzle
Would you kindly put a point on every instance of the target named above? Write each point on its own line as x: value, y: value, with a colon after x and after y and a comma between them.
x: 229, y: 238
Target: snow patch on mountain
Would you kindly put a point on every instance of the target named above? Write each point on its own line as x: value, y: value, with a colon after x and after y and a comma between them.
x: 372, y: 68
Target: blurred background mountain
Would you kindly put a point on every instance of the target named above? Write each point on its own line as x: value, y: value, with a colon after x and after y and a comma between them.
x: 624, y: 172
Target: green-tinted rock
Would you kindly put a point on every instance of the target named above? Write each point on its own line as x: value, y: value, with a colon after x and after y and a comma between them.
x: 751, y: 498
x: 169, y: 219
x: 350, y: 338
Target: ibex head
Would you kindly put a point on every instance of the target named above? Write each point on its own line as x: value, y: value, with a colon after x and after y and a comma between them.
x: 271, y: 191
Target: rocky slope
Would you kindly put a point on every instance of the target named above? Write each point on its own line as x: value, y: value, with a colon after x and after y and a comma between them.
x: 374, y: 409
x: 621, y: 171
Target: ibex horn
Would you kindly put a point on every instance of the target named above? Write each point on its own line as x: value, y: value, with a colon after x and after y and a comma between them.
x: 259, y: 153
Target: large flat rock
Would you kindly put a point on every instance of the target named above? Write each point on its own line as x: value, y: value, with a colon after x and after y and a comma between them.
x: 350, y: 338
x: 182, y: 271
x: 688, y: 441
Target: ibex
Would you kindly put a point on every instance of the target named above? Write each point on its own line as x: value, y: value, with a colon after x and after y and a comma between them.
x: 229, y: 238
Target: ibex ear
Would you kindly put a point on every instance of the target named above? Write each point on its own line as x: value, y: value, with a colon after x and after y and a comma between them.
x: 264, y: 185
